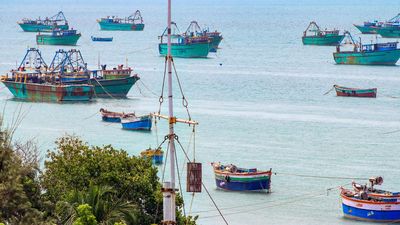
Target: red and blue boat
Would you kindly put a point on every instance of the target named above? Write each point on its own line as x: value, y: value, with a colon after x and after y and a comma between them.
x: 232, y: 178
x: 113, y: 117
x: 355, y: 92
x: 134, y: 122
x: 366, y: 203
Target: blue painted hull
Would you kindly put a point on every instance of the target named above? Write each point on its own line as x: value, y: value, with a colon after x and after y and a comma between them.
x: 111, y: 119
x: 144, y: 124
x: 157, y: 159
x: 243, y: 186
x: 370, y: 215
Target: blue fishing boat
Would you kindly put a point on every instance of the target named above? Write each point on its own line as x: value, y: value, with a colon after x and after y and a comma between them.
x: 156, y: 155
x: 367, y: 204
x: 45, y: 25
x: 113, y: 117
x: 103, y: 39
x: 137, y: 122
x: 232, y: 178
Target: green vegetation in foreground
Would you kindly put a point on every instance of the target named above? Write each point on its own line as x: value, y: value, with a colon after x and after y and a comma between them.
x: 80, y: 185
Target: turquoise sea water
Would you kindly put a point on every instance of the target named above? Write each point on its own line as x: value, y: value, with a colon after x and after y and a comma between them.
x: 259, y: 100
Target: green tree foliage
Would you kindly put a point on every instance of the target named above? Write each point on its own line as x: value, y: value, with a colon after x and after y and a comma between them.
x: 105, y: 206
x: 85, y: 216
x: 74, y: 166
x: 20, y: 197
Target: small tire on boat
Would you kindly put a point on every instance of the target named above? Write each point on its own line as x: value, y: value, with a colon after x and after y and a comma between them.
x: 227, y: 178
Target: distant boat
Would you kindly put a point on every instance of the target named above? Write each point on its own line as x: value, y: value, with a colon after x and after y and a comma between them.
x: 58, y: 37
x: 184, y: 46
x: 373, y: 27
x: 389, y: 31
x: 368, y: 204
x: 313, y: 35
x: 103, y: 39
x: 113, y: 117
x: 215, y: 37
x: 368, y: 54
x: 230, y: 177
x: 45, y: 25
x: 137, y: 122
x: 131, y: 23
x: 355, y: 92
x: 156, y: 155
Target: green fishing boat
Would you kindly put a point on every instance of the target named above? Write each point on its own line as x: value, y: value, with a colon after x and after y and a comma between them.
x: 194, y: 30
x: 58, y: 37
x: 313, y: 35
x: 131, y: 23
x: 368, y: 54
x: 184, y: 46
x: 389, y: 31
x: 45, y: 25
x: 373, y: 27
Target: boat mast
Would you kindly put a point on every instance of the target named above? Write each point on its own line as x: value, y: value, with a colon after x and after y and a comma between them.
x: 169, y: 208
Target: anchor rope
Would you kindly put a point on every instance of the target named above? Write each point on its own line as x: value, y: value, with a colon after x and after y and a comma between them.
x: 329, y: 90
x: 104, y: 89
x: 147, y: 88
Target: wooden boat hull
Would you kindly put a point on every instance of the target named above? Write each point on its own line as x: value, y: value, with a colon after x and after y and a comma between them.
x: 120, y: 26
x: 49, y: 93
x: 366, y: 29
x: 389, y: 32
x: 113, y: 88
x: 193, y: 50
x: 156, y: 156
x: 111, y: 119
x: 234, y: 182
x: 322, y: 40
x: 389, y: 57
x: 352, y: 92
x: 43, y: 39
x: 40, y: 27
x: 369, y: 210
x: 144, y: 124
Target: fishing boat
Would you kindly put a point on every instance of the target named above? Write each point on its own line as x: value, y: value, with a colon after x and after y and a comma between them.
x: 313, y: 35
x: 367, y: 204
x: 384, y: 27
x: 233, y: 178
x: 389, y: 31
x: 355, y: 92
x: 368, y: 54
x: 133, y: 22
x: 72, y: 69
x: 156, y: 155
x: 58, y: 37
x: 102, y: 39
x: 45, y: 25
x: 369, y: 27
x: 137, y: 122
x: 31, y: 82
x: 183, y: 46
x: 113, y: 117
x: 194, y: 30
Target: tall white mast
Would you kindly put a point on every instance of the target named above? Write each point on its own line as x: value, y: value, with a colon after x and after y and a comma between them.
x: 169, y: 208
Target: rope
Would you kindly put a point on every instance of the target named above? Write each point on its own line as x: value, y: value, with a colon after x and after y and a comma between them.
x: 321, y: 177
x: 161, y: 99
x: 205, y: 188
x: 391, y: 132
x: 94, y: 114
x: 184, y: 100
x: 180, y: 184
x: 145, y: 86
x: 329, y: 90
x: 104, y: 89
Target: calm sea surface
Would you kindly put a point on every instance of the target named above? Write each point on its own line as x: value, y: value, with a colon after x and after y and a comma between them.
x: 259, y: 100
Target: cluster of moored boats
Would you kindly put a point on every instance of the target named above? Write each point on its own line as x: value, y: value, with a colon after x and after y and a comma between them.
x: 67, y: 78
x: 358, y: 53
x: 195, y: 42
